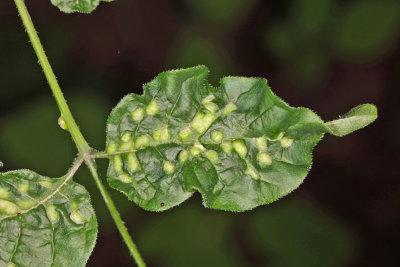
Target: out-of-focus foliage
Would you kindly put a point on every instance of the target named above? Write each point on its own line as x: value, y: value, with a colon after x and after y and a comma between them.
x: 192, y: 49
x: 190, y: 236
x: 295, y: 233
x: 317, y: 31
x: 21, y: 64
x: 291, y: 233
x: 221, y: 11
x: 368, y: 29
x: 33, y: 129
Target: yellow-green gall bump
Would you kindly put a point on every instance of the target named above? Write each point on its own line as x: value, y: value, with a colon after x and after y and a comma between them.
x: 212, y: 156
x: 216, y: 136
x: 252, y: 173
x: 264, y: 158
x: 61, y: 122
x: 286, y: 142
x: 126, y: 146
x: 73, y: 205
x: 52, y: 213
x: 196, y: 149
x: 152, y: 108
x: 26, y: 204
x: 183, y: 156
x: 161, y: 135
x: 47, y: 184
x: 208, y: 105
x: 125, y: 178
x: 168, y: 167
x: 279, y: 137
x: 117, y: 163
x: 226, y: 146
x: 208, y: 99
x: 240, y: 147
x: 126, y: 137
x: 111, y: 148
x: 138, y: 114
x: 133, y: 163
x: 261, y: 143
x: 4, y: 194
x: 185, y: 132
x: 211, y: 107
x: 202, y: 122
x: 10, y: 264
x: 8, y: 208
x: 76, y: 217
x: 23, y: 188
x: 142, y: 141
x: 229, y: 108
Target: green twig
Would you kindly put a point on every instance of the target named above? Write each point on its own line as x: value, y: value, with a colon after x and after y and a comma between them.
x: 80, y: 142
x: 83, y: 147
x: 115, y: 214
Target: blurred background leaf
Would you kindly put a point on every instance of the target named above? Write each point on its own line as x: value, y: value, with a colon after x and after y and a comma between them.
x: 295, y: 233
x: 187, y: 236
x: 222, y: 11
x: 191, y: 49
x: 368, y: 29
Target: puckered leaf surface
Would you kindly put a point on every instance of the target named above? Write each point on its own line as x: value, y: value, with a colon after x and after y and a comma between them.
x: 44, y: 222
x: 83, y: 6
x: 239, y: 145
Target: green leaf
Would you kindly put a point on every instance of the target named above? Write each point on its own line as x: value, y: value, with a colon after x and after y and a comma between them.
x: 44, y: 221
x: 239, y: 145
x: 355, y: 119
x: 83, y: 6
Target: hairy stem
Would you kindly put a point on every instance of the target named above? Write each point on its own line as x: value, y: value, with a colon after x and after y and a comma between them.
x: 115, y: 214
x: 83, y: 147
x: 80, y: 142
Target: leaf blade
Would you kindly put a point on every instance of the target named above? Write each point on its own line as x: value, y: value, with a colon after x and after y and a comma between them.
x: 239, y: 145
x: 357, y: 118
x: 83, y: 6
x: 44, y: 221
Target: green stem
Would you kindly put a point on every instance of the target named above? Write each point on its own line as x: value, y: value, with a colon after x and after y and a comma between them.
x: 83, y: 147
x: 80, y: 142
x: 115, y: 215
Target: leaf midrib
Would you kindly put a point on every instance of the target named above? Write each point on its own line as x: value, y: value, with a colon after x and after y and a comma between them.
x: 57, y: 190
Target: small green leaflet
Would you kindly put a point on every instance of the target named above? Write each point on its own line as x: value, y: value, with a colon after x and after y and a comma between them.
x: 83, y: 6
x: 239, y: 145
x: 353, y: 120
x: 44, y: 221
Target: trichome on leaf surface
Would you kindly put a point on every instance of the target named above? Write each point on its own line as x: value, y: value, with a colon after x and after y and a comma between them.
x: 238, y: 144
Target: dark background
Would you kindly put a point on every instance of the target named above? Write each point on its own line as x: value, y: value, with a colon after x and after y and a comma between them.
x: 326, y: 55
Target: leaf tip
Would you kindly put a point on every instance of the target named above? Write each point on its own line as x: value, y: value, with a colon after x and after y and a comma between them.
x: 357, y: 118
